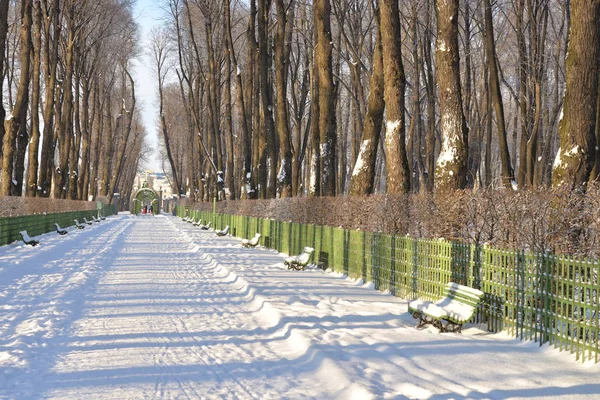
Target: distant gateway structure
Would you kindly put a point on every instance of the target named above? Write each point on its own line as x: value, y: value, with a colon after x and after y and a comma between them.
x: 145, y: 197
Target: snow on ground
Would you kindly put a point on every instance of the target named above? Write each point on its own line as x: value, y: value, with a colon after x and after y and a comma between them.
x: 144, y: 307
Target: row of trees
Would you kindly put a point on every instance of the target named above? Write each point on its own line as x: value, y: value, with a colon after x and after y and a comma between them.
x: 71, y: 126
x: 266, y: 98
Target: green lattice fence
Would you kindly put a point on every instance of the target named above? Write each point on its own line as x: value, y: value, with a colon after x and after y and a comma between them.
x: 532, y: 296
x: 38, y: 224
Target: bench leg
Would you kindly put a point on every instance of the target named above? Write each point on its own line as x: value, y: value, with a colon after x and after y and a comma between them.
x: 449, y: 326
x: 422, y: 322
x: 422, y: 319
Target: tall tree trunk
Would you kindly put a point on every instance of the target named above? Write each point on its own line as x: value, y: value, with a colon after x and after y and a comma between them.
x: 474, y: 143
x: 32, y: 171
x: 314, y: 187
x: 490, y: 46
x: 488, y: 173
x: 214, y: 105
x: 414, y: 131
x: 88, y: 124
x: 245, y: 144
x: 539, y: 24
x: 50, y: 61
x: 3, y: 32
x: 363, y: 175
x: 266, y: 96
x: 77, y: 136
x: 229, y: 172
x: 575, y: 157
x: 395, y: 83
x: 451, y: 168
x: 327, y: 96
x: 65, y: 126
x: 431, y: 99
x: 284, y: 177
x: 251, y: 101
x: 17, y: 123
x: 125, y: 121
x: 596, y: 170
x: 523, y: 96
x: 107, y: 146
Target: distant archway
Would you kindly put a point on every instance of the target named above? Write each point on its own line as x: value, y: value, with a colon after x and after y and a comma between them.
x: 145, y: 197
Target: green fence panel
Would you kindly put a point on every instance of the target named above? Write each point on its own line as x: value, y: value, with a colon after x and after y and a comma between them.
x: 38, y: 224
x: 533, y: 296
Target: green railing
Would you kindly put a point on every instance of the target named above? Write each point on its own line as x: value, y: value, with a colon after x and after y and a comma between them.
x: 539, y: 297
x: 37, y: 224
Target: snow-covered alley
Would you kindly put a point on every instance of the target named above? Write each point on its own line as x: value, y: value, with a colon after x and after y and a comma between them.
x: 152, y: 307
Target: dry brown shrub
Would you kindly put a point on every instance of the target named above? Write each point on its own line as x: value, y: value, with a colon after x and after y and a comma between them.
x: 11, y: 206
x: 554, y: 220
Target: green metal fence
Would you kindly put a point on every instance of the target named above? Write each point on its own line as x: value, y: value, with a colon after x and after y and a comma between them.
x: 539, y: 297
x: 38, y: 224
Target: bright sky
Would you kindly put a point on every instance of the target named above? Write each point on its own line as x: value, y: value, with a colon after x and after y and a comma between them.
x: 147, y: 14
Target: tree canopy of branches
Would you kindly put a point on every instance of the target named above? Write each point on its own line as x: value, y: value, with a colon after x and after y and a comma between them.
x: 72, y: 128
x: 291, y: 97
x: 265, y: 99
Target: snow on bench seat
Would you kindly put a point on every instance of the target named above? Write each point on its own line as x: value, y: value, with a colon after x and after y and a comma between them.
x: 252, y: 242
x: 28, y: 240
x: 452, y: 311
x: 300, y: 261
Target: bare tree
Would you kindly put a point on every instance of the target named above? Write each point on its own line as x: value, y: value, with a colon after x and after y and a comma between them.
x: 327, y: 95
x: 398, y: 180
x: 15, y: 125
x: 160, y: 51
x: 575, y: 158
x: 451, y: 169
x: 363, y: 176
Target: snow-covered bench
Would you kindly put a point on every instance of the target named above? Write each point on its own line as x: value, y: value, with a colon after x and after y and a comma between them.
x: 198, y: 222
x: 28, y: 240
x: 224, y: 232
x: 60, y: 230
x: 102, y: 217
x: 300, y: 261
x: 78, y: 225
x: 86, y: 221
x: 205, y: 227
x: 451, y: 312
x: 252, y: 242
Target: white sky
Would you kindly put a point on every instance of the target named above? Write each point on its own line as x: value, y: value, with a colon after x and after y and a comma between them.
x: 147, y: 14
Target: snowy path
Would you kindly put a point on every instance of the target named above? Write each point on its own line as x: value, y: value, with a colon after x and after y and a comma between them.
x: 155, y: 308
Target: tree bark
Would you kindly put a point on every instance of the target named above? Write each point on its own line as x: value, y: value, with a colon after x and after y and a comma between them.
x: 575, y: 157
x: 17, y: 123
x: 3, y: 32
x: 50, y: 61
x: 363, y: 175
x: 245, y: 143
x: 229, y: 172
x: 451, y: 168
x: 398, y: 181
x: 284, y: 177
x: 125, y: 121
x: 32, y: 170
x: 267, y: 99
x: 428, y: 78
x: 65, y: 125
x: 327, y: 96
x: 490, y: 46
